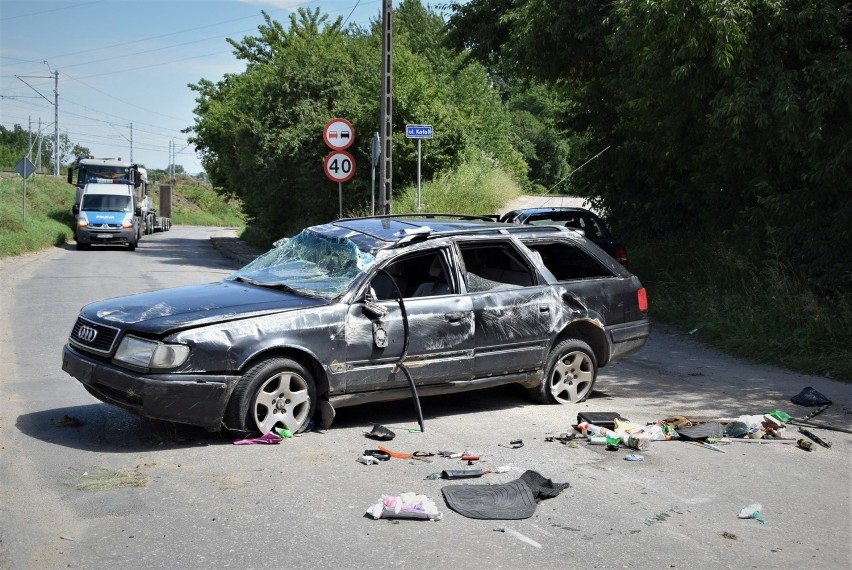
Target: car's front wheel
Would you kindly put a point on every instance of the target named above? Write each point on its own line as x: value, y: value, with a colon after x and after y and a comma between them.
x: 275, y: 393
x: 569, y: 375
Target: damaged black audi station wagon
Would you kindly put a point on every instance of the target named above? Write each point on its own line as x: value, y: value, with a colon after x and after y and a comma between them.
x: 356, y: 311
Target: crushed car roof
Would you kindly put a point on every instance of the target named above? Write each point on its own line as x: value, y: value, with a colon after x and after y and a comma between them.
x: 382, y: 231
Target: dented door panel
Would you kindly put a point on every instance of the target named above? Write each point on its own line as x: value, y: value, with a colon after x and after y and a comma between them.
x: 513, y: 329
x: 440, y: 344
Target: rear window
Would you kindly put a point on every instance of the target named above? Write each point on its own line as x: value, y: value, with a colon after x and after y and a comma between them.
x: 568, y: 262
x: 490, y: 267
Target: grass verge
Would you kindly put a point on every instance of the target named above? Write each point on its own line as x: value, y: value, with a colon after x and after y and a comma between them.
x: 46, y: 220
x: 758, y: 311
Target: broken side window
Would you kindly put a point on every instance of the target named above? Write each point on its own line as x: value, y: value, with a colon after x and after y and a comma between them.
x: 567, y: 261
x: 494, y: 266
x: 424, y: 274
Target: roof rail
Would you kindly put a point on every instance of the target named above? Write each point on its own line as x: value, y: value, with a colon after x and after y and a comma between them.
x: 432, y: 215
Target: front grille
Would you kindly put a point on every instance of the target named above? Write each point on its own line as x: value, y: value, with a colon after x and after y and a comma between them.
x: 93, y: 336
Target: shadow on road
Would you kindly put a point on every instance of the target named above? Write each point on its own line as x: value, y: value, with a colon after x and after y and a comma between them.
x: 105, y: 429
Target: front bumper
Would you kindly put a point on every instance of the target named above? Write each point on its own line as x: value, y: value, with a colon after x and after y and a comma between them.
x: 183, y: 398
x: 111, y: 236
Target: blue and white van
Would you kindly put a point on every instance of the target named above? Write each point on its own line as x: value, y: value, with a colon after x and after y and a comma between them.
x: 107, y: 214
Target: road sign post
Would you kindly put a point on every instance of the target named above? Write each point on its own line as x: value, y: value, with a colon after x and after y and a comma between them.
x: 25, y: 168
x: 339, y: 166
x: 418, y: 132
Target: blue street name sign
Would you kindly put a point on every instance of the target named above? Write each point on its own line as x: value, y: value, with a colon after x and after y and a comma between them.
x: 418, y: 131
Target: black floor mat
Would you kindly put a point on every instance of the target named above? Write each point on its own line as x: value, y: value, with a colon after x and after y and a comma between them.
x: 509, y: 501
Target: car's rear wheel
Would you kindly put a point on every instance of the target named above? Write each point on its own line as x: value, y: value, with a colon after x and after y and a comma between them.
x: 275, y: 393
x: 569, y: 375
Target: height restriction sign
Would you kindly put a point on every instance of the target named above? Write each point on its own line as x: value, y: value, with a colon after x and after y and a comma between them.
x: 338, y: 134
x: 339, y: 166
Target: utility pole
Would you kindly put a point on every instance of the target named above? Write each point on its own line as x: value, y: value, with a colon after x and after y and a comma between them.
x: 55, y: 103
x: 386, y: 122
x: 131, y: 143
x: 55, y: 122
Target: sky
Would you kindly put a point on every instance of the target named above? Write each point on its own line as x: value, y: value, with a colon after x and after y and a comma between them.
x: 124, y: 66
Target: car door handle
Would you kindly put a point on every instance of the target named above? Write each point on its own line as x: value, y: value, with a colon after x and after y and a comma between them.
x: 453, y: 317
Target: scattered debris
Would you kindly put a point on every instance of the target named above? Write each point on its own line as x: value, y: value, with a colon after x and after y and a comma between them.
x: 463, y: 473
x: 634, y: 457
x: 71, y: 538
x: 817, y: 439
x: 284, y: 433
x: 396, y: 454
x: 380, y: 433
x: 368, y: 460
x: 752, y: 512
x: 377, y: 454
x: 562, y: 438
x: 514, y: 444
x: 519, y: 536
x: 405, y: 506
x: 509, y: 501
x: 729, y: 535
x: 707, y: 445
x: 805, y: 444
x: 267, y: 438
x: 810, y: 397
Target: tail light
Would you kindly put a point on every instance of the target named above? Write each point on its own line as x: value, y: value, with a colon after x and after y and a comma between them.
x: 621, y: 255
x: 643, y: 299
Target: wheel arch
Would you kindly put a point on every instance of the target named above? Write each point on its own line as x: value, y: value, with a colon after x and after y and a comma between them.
x: 303, y: 357
x: 589, y: 332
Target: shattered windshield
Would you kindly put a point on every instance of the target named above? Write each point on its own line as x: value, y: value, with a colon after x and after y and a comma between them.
x: 308, y: 263
x: 105, y: 203
x: 89, y: 171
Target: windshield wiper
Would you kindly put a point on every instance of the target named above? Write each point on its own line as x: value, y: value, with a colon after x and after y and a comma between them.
x: 281, y: 286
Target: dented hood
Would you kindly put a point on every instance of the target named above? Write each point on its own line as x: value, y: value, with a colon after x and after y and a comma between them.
x: 166, y: 310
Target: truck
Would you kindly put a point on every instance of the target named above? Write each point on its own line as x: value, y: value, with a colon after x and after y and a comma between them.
x: 94, y: 175
x: 163, y: 221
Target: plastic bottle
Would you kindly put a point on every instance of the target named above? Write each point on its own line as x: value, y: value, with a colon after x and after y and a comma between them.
x: 592, y: 429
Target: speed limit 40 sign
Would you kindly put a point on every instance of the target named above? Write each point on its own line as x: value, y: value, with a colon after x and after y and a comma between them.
x: 339, y: 166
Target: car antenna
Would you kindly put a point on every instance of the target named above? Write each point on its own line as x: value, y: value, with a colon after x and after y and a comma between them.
x: 567, y: 176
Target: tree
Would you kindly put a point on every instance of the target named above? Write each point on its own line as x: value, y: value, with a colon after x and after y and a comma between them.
x: 721, y: 117
x: 259, y: 132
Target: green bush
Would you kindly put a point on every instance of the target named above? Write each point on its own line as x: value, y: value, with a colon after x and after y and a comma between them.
x: 762, y: 311
x: 477, y: 186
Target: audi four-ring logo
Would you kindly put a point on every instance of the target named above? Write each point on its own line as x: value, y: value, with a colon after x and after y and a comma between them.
x: 87, y: 333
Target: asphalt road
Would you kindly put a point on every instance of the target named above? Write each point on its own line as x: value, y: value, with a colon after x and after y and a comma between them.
x: 203, y: 502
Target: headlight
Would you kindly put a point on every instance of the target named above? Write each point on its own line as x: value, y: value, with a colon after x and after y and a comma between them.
x: 128, y: 222
x: 149, y: 354
x: 82, y: 222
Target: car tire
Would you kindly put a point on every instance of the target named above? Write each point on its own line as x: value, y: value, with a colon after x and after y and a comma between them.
x: 569, y: 375
x: 131, y: 245
x: 275, y: 393
x: 82, y: 246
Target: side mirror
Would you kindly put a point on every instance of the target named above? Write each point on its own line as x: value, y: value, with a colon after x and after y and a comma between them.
x: 75, y: 209
x: 137, y: 211
x: 70, y: 175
